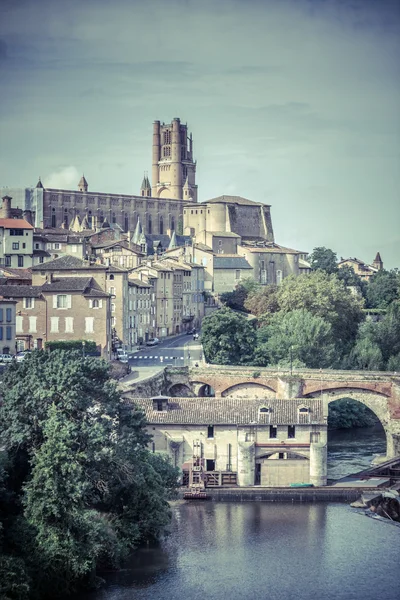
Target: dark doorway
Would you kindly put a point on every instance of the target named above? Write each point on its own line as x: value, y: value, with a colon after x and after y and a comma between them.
x: 257, y: 478
x: 210, y: 465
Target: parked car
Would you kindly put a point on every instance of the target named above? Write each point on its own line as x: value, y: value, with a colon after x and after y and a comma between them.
x: 152, y: 342
x: 6, y: 358
x: 191, y: 331
x: 20, y: 356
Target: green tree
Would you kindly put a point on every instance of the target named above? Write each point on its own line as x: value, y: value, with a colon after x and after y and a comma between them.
x: 262, y: 300
x: 351, y: 279
x: 227, y: 338
x: 323, y: 259
x: 388, y: 332
x: 237, y: 298
x: 86, y: 488
x: 325, y: 296
x: 346, y: 414
x: 383, y: 289
x: 298, y: 337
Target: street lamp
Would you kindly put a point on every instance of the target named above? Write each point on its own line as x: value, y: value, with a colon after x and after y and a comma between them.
x: 83, y: 348
x: 291, y: 361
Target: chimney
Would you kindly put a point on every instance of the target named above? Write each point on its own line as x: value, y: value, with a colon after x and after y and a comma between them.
x: 6, y: 209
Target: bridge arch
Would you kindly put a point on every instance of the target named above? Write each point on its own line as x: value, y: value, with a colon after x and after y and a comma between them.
x: 373, y: 401
x: 180, y: 390
x: 250, y: 389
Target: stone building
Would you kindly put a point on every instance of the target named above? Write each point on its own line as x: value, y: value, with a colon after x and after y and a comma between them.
x: 361, y: 268
x: 173, y: 167
x: 62, y: 308
x: 16, y: 238
x: 248, y: 441
x: 7, y: 323
x: 229, y: 214
x: 142, y: 311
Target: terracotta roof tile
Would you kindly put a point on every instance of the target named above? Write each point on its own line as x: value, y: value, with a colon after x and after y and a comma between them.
x: 233, y: 411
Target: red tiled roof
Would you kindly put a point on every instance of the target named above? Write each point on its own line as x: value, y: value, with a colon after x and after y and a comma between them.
x: 15, y: 224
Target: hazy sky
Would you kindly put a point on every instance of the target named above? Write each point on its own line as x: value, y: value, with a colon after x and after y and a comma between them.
x: 295, y: 103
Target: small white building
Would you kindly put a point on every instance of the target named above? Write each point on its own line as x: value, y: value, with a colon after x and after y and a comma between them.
x: 241, y: 441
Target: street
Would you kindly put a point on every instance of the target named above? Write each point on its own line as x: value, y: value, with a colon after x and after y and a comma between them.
x: 179, y: 351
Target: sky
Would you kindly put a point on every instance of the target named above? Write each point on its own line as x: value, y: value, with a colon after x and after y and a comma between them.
x: 293, y: 103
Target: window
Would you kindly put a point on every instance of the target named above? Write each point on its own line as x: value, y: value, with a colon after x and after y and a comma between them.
x: 264, y: 409
x: 15, y: 246
x: 8, y: 315
x: 89, y: 325
x: 24, y: 245
x: 1, y: 333
x: 273, y: 431
x: 54, y: 324
x: 7, y: 260
x: 19, y: 324
x: 29, y: 303
x: 69, y: 324
x: 41, y: 260
x: 237, y: 274
x: 111, y: 278
x: 291, y: 432
x: 167, y: 136
x: 20, y: 261
x: 62, y: 301
x: 8, y: 333
x: 210, y: 431
x: 56, y: 246
x: 111, y: 291
x: 167, y: 151
x: 1, y: 315
x: 161, y: 225
x: 314, y: 437
x: 74, y: 248
x: 53, y: 220
x: 37, y: 246
x: 113, y: 308
x: 32, y: 324
x: 278, y: 277
x: 95, y: 304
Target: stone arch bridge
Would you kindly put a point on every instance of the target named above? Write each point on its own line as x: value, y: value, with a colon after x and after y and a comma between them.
x: 379, y: 391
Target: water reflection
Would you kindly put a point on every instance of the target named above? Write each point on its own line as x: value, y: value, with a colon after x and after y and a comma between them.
x: 264, y: 550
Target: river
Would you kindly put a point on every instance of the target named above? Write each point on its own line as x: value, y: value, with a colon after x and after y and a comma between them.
x: 218, y: 551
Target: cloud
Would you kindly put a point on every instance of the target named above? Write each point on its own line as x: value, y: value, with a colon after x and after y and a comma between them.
x: 65, y: 178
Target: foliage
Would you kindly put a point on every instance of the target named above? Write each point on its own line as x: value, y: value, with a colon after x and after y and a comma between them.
x: 227, y: 338
x: 84, y: 487
x: 383, y: 289
x: 351, y: 279
x: 346, y: 413
x: 324, y: 296
x: 90, y: 346
x: 388, y: 332
x: 323, y: 259
x: 262, y: 300
x: 236, y: 299
x: 298, y: 338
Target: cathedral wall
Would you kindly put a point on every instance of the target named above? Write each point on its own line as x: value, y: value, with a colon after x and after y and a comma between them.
x: 154, y: 214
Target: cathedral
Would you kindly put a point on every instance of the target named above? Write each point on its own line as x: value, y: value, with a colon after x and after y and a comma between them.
x: 158, y: 206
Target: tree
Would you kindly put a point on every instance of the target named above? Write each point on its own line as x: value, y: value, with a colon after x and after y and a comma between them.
x: 236, y: 299
x: 388, y: 331
x: 299, y: 338
x: 262, y: 300
x: 86, y: 488
x: 346, y: 414
x: 227, y: 338
x: 383, y: 289
x: 323, y: 259
x: 351, y: 279
x: 325, y: 296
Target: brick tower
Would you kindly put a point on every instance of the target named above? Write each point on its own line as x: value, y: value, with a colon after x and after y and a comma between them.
x: 173, y: 170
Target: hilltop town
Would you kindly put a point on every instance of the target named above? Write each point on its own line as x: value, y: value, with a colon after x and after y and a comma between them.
x: 120, y: 270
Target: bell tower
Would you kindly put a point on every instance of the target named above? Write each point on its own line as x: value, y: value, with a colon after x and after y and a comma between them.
x: 173, y: 169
